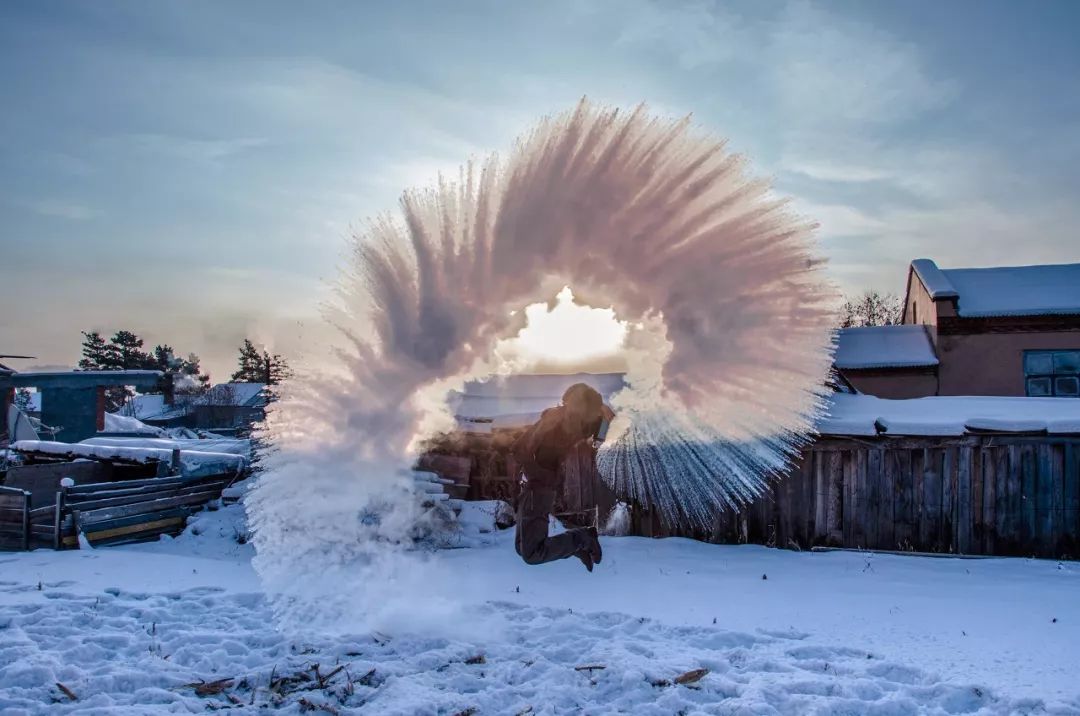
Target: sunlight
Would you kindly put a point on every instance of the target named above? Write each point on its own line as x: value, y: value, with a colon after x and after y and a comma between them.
x: 569, y: 335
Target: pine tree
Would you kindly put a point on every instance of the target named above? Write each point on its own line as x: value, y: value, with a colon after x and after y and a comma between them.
x: 94, y: 352
x: 125, y: 353
x: 250, y: 364
x: 260, y: 367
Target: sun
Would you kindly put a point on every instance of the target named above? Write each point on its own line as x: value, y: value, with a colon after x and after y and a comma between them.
x: 567, y: 337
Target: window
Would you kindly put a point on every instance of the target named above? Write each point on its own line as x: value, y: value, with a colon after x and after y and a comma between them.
x: 1052, y: 373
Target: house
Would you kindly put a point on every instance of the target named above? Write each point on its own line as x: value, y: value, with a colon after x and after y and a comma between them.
x: 231, y: 407
x: 227, y: 407
x: 1010, y: 331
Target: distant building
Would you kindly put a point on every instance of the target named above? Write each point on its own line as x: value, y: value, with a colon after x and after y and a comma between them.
x: 227, y: 407
x: 985, y: 331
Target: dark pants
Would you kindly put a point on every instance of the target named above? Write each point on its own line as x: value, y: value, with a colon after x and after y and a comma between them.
x: 532, y: 541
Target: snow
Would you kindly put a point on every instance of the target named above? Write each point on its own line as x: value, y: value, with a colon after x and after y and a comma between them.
x: 238, y: 393
x: 935, y: 281
x: 131, y: 630
x: 517, y: 400
x: 1005, y: 290
x: 884, y: 347
x: 1017, y: 290
x: 193, y: 463
x: 121, y: 424
x: 948, y: 415
x: 153, y: 407
x: 232, y: 446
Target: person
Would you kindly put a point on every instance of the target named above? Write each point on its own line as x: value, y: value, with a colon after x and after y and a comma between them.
x: 539, y: 452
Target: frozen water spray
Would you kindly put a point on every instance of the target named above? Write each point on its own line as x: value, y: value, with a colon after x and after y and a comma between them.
x: 727, y: 352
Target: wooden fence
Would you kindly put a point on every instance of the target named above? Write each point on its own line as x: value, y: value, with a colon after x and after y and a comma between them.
x: 976, y: 494
x: 14, y: 519
x: 105, y: 513
x: 132, y: 511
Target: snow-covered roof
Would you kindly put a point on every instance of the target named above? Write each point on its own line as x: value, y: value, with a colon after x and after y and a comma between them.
x: 192, y: 463
x: 948, y: 415
x: 153, y: 407
x: 884, y: 347
x: 122, y: 424
x: 933, y: 279
x: 1052, y: 289
x: 244, y: 394
x: 514, y: 400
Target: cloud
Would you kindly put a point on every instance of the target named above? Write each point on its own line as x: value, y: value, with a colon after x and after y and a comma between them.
x: 211, y: 151
x: 828, y: 69
x: 62, y: 209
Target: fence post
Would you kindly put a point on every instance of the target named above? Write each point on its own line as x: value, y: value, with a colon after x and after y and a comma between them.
x: 58, y: 520
x: 75, y: 526
x: 174, y: 462
x: 26, y: 521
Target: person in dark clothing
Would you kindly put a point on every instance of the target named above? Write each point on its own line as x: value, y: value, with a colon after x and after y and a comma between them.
x: 539, y: 453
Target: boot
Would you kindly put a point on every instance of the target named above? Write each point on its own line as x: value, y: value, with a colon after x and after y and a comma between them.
x: 594, y: 546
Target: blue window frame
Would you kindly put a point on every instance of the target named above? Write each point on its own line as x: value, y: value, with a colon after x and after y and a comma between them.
x: 1052, y: 373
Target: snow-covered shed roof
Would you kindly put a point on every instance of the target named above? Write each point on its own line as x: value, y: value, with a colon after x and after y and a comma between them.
x: 514, y: 400
x: 153, y: 407
x: 1052, y: 289
x: 884, y: 347
x: 193, y: 463
x: 243, y: 394
x: 948, y: 415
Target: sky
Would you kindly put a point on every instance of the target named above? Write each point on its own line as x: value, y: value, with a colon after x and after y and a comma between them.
x: 190, y: 170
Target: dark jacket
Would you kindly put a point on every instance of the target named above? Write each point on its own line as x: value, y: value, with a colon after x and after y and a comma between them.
x: 541, y: 449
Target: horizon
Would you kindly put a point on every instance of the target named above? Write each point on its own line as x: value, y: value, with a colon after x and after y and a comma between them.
x: 190, y: 172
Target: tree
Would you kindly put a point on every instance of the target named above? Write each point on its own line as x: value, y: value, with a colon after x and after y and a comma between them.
x: 125, y: 353
x: 871, y: 309
x: 94, y: 351
x: 22, y: 399
x: 187, y: 376
x: 257, y: 366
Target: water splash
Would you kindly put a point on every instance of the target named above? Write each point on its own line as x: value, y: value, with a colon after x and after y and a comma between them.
x: 727, y: 352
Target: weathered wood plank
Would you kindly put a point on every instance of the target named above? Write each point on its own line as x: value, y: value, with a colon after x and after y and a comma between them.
x: 1057, y: 501
x: 887, y: 515
x: 848, y: 509
x: 111, y: 513
x: 989, y: 519
x: 834, y: 484
x: 1072, y: 499
x: 873, y: 511
x: 948, y: 500
x: 975, y: 545
x: 1002, y: 499
x: 1029, y: 496
x: 930, y: 522
x: 821, y: 496
x: 964, y: 501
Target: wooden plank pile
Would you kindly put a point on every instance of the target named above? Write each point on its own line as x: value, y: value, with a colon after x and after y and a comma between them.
x: 120, y: 512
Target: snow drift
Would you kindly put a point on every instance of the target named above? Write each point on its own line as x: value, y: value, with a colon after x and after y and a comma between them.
x: 727, y: 352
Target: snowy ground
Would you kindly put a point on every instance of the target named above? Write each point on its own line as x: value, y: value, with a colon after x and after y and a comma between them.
x: 136, y: 629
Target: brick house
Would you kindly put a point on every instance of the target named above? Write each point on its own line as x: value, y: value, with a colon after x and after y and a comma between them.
x: 986, y: 331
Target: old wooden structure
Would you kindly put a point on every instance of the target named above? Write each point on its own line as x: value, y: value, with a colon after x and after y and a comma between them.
x: 989, y: 494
